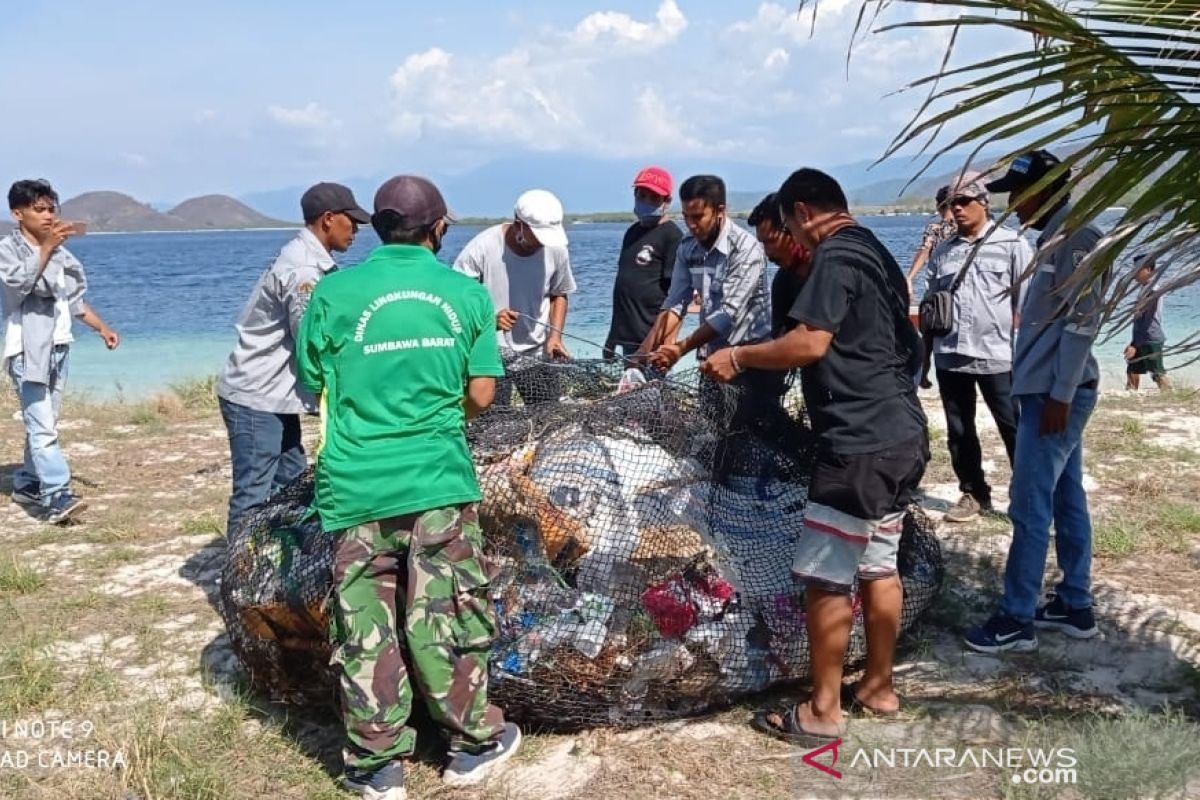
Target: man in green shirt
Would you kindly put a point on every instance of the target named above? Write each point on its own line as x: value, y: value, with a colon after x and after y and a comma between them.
x: 402, y: 350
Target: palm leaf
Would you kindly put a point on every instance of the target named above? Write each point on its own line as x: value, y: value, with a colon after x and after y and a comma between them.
x: 1116, y: 81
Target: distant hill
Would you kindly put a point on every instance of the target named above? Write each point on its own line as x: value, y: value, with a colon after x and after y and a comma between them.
x: 220, y: 211
x: 115, y: 212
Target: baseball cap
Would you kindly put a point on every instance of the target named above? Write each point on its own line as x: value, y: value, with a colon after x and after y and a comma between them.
x: 1026, y: 170
x: 543, y: 213
x: 943, y: 196
x: 656, y: 179
x: 415, y: 199
x: 970, y: 184
x: 325, y: 197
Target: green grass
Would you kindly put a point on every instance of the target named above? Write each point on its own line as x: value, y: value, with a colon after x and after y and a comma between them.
x: 16, y: 578
x: 145, y: 415
x: 27, y: 675
x: 197, y: 393
x: 204, y: 524
x: 1114, y: 539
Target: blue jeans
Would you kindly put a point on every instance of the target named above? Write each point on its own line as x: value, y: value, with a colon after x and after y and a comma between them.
x: 266, y: 453
x: 1047, y: 486
x: 41, y: 403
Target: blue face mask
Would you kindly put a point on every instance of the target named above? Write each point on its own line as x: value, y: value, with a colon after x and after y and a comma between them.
x: 648, y: 213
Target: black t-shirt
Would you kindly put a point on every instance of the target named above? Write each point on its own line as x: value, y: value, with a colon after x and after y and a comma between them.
x: 860, y: 397
x: 643, y: 278
x: 785, y: 288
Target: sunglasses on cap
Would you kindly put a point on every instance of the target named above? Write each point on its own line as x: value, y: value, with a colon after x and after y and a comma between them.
x: 960, y: 201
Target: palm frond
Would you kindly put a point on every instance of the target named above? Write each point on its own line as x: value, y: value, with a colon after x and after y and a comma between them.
x: 1116, y: 81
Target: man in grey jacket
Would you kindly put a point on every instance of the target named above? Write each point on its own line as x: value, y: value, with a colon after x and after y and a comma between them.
x: 261, y: 400
x: 43, y: 286
x: 1055, y: 380
x: 977, y: 351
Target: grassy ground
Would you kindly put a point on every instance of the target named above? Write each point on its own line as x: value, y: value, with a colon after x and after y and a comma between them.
x: 109, y: 625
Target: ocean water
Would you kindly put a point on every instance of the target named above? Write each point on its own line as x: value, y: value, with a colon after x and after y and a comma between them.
x: 174, y: 297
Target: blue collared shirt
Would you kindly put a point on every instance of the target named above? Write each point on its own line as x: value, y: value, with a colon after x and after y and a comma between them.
x: 731, y: 278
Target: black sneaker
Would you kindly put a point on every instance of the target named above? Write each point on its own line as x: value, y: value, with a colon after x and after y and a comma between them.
x: 28, y: 495
x: 1002, y: 633
x: 470, y: 769
x: 1079, y: 623
x: 385, y: 783
x: 63, y: 506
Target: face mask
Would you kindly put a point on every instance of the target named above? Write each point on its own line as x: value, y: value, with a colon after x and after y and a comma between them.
x: 520, y: 236
x: 648, y: 213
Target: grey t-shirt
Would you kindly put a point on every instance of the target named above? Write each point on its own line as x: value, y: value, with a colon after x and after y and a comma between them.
x: 522, y: 283
x: 1147, y: 326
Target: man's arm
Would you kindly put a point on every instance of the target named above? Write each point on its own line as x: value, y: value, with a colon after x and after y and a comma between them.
x: 480, y: 394
x: 558, y: 322
x: 88, y: 316
x: 483, y: 362
x: 22, y: 273
x: 295, y: 290
x: 1083, y: 313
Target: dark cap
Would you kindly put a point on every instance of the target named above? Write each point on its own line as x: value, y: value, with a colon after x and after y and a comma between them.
x: 334, y: 197
x: 1026, y: 170
x: 416, y: 200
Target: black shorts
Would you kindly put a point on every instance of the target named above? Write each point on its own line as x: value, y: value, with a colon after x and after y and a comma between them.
x: 1148, y: 358
x: 870, y: 485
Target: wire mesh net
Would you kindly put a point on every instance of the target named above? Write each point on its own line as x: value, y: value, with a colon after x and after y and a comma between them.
x: 643, y: 532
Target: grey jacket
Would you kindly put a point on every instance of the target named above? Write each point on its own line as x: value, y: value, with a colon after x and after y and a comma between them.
x: 33, y: 299
x: 261, y: 370
x: 1059, y: 322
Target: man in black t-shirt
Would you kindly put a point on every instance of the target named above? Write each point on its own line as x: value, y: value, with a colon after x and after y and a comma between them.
x: 856, y: 347
x: 782, y: 251
x: 644, y: 269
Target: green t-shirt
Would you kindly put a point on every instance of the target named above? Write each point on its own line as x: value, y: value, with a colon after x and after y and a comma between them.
x: 391, y: 343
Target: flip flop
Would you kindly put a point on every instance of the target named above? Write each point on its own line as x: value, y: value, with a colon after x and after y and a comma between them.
x: 781, y: 723
x: 851, y: 703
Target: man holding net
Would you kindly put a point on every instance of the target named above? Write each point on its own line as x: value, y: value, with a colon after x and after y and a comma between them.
x: 402, y: 350
x: 857, y: 351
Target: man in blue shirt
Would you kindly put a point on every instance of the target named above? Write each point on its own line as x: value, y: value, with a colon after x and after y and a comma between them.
x: 1055, y: 378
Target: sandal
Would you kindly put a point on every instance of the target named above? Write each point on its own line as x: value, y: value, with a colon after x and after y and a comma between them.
x: 782, y: 723
x: 852, y: 704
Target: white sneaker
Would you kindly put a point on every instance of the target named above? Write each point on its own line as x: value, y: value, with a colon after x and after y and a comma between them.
x: 472, y: 769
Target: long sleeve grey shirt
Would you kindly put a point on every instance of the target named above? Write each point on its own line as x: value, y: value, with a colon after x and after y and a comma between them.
x: 980, y: 341
x: 731, y: 278
x: 261, y: 371
x: 1059, y: 322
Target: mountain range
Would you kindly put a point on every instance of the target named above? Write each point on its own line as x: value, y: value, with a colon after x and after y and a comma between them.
x: 585, y: 185
x: 110, y: 212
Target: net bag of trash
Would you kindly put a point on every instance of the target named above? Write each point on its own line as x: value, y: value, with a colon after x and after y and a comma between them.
x: 642, y: 533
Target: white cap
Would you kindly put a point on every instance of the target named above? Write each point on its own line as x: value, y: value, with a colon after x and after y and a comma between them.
x: 543, y: 213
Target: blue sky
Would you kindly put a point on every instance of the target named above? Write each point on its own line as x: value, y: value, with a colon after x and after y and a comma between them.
x: 167, y: 100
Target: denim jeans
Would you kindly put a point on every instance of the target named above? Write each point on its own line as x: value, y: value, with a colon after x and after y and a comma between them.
x: 1047, y: 486
x: 266, y: 453
x: 41, y: 403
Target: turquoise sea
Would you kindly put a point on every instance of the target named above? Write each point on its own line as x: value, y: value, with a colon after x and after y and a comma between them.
x: 174, y: 298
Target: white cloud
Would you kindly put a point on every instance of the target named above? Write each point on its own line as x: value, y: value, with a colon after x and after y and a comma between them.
x: 134, y: 159
x: 309, y: 117
x: 204, y: 115
x: 668, y: 24
x: 776, y: 59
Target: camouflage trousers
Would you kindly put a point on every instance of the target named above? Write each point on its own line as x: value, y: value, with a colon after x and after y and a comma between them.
x: 420, y: 580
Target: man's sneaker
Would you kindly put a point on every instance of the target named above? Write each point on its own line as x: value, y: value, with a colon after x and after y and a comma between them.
x: 1001, y: 633
x: 967, y: 509
x: 63, y: 506
x: 28, y: 495
x: 385, y: 783
x: 470, y: 769
x: 1079, y: 623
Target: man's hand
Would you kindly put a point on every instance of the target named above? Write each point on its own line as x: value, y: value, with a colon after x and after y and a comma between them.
x: 719, y: 365
x: 506, y: 318
x: 57, y: 234
x: 1130, y: 352
x: 556, y: 350
x: 666, y: 356
x: 111, y: 338
x: 1054, y: 417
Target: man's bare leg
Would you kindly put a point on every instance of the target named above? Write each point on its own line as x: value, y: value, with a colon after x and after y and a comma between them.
x: 1132, y: 381
x: 882, y: 602
x: 829, y: 619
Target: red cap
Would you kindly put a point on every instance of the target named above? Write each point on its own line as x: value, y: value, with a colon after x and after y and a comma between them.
x: 656, y: 179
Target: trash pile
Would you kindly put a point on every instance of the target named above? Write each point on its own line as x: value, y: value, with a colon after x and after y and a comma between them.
x: 644, y: 543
